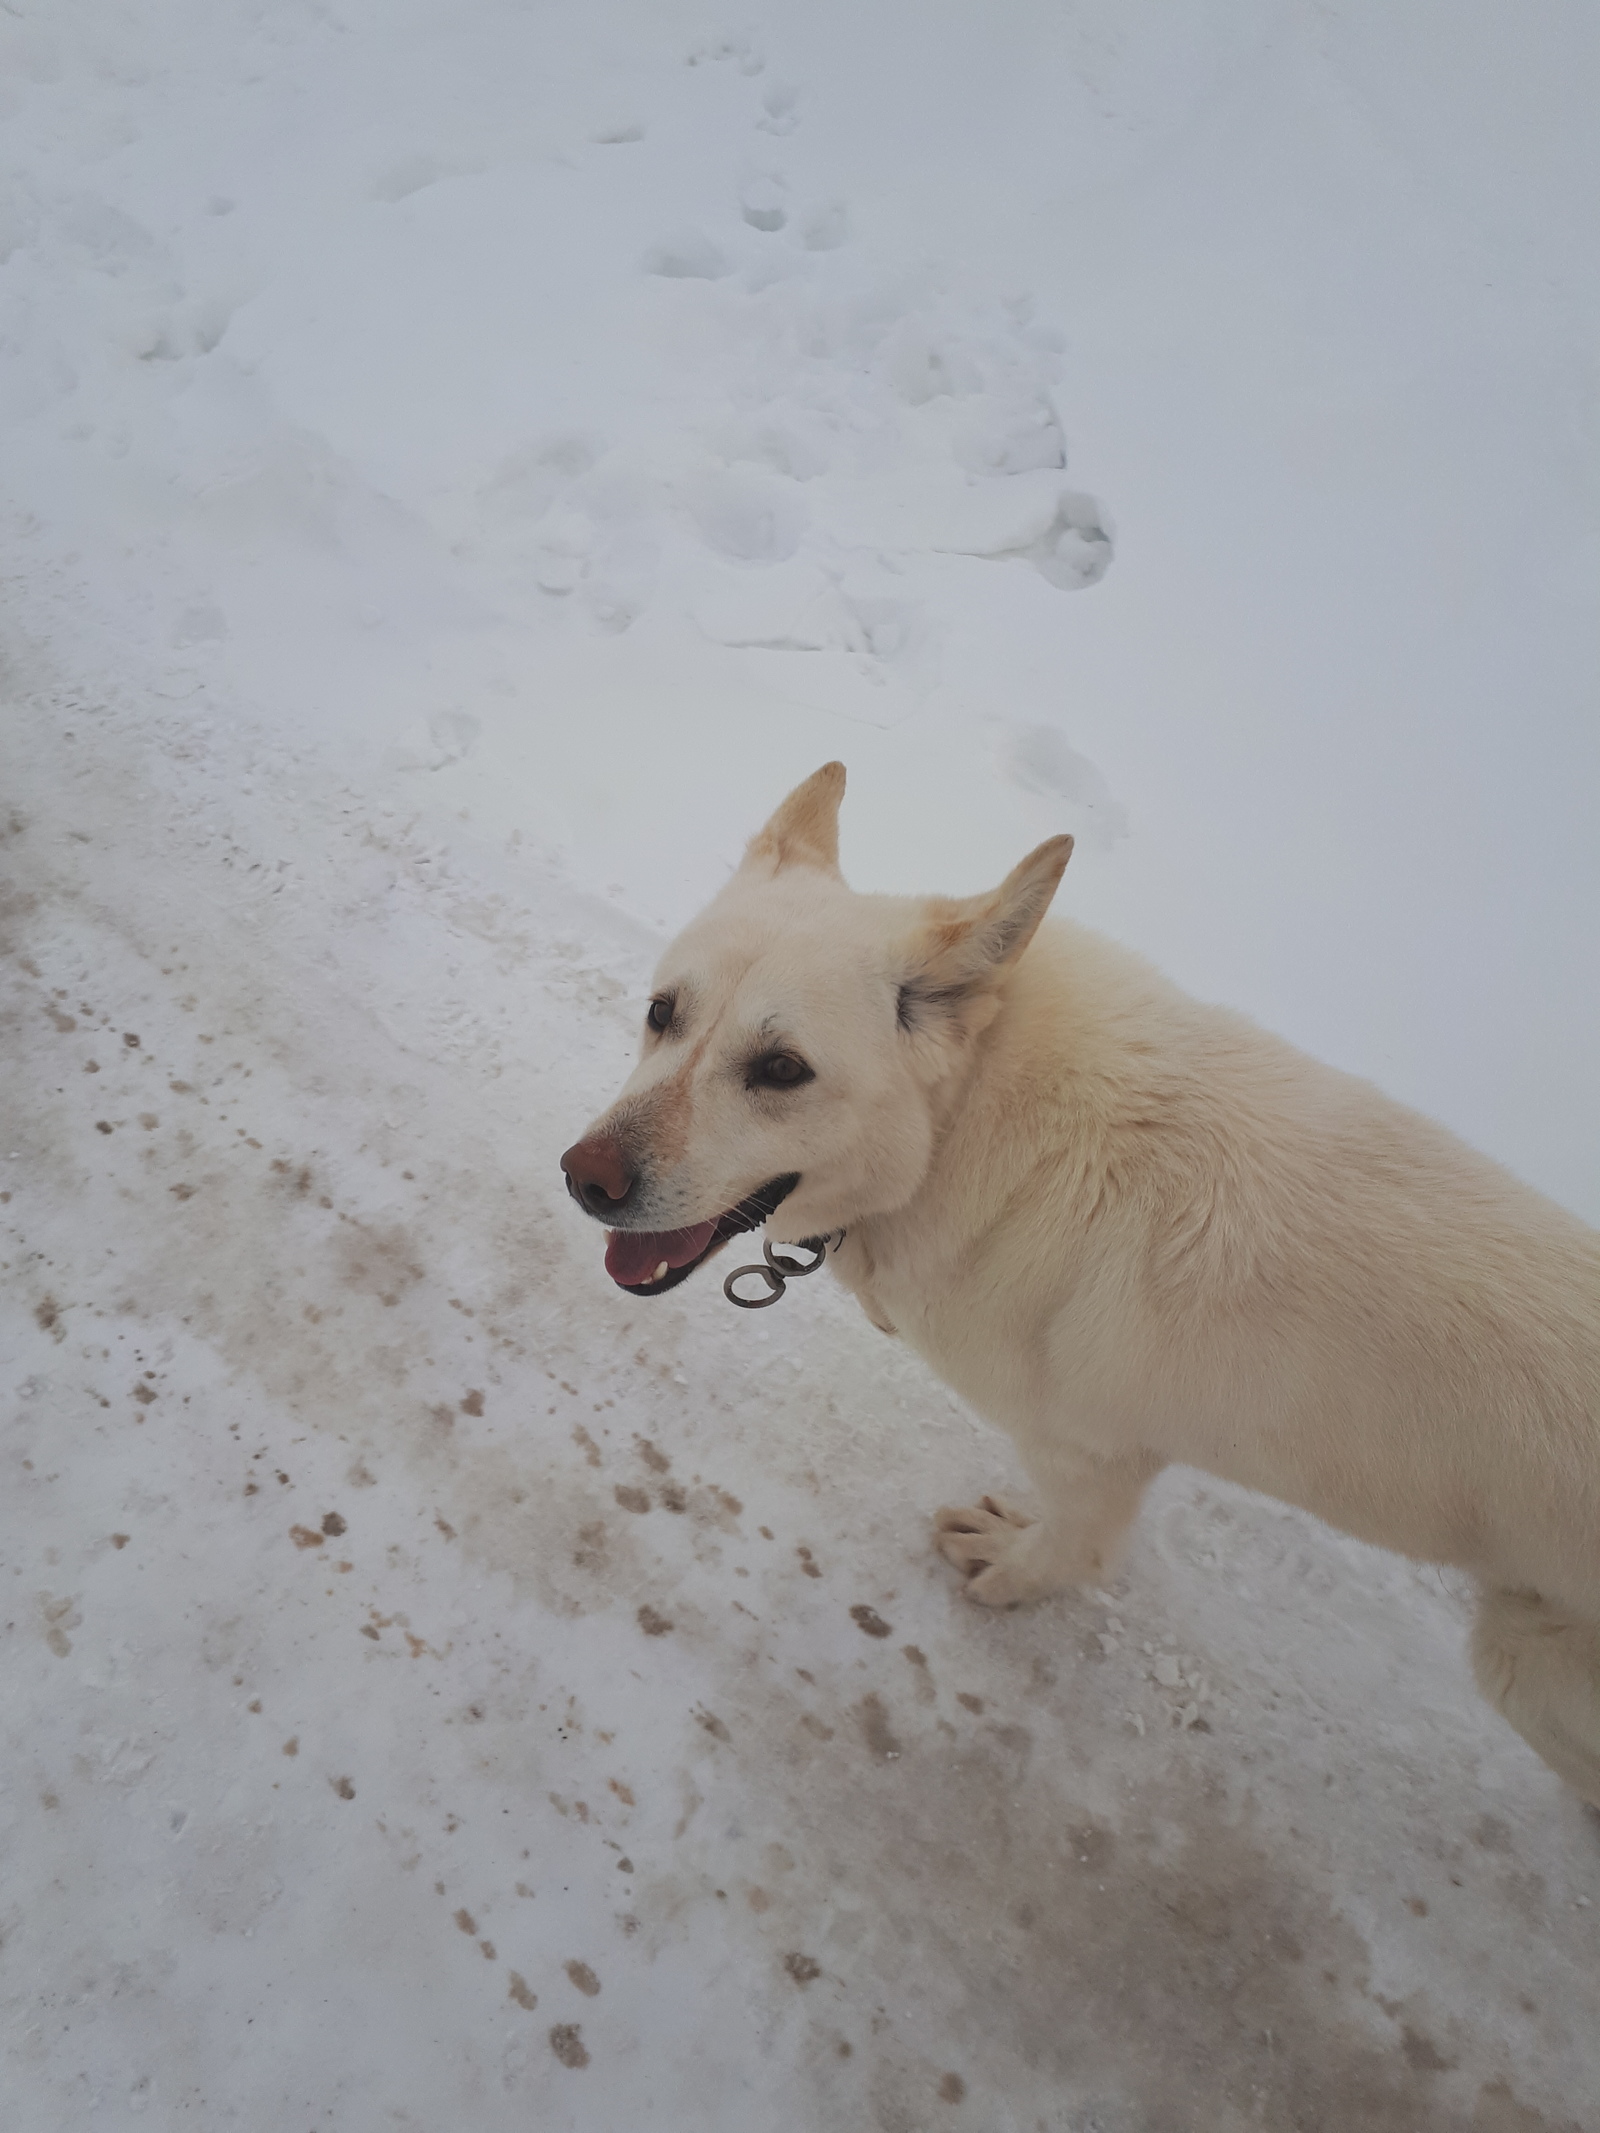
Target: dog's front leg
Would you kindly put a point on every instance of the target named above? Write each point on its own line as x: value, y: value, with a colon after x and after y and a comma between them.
x: 1009, y: 1556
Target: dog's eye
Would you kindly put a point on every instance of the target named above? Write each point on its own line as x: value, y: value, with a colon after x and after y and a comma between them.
x: 780, y: 1070
x: 659, y: 1016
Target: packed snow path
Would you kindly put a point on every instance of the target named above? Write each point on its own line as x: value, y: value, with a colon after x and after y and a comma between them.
x: 463, y: 463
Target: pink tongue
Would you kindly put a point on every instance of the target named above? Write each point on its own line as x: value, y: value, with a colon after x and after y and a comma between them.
x: 635, y: 1257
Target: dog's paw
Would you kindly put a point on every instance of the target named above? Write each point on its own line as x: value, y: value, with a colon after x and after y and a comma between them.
x: 986, y: 1544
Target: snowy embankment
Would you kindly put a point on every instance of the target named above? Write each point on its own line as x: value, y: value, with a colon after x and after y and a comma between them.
x: 463, y: 463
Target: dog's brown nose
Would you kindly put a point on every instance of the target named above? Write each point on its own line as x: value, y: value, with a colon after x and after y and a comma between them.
x: 598, y: 1176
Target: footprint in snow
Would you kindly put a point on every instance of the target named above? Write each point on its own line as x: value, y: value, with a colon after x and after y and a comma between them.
x: 1009, y: 434
x: 762, y: 202
x: 783, y: 446
x: 825, y: 228
x: 434, y: 743
x: 742, y: 51
x: 412, y: 174
x: 1076, y: 549
x: 780, y: 109
x: 749, y: 515
x: 526, y: 485
x: 688, y: 255
x: 1040, y: 759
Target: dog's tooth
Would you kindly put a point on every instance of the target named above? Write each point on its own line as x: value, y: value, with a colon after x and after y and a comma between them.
x: 660, y: 1272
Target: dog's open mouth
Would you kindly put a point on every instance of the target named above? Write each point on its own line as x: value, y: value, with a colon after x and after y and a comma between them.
x: 649, y: 1262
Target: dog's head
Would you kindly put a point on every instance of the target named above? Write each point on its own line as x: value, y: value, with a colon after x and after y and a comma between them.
x: 801, y: 1049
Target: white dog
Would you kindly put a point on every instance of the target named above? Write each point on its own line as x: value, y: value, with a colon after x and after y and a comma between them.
x: 1131, y: 1230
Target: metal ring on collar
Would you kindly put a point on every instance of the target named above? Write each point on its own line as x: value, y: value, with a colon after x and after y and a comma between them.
x: 769, y: 1274
x: 791, y: 1269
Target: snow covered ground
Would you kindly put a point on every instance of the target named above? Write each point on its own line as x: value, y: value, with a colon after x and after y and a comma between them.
x: 463, y: 461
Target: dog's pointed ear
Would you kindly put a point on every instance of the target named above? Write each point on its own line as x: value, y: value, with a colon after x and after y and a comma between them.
x: 805, y: 830
x: 964, y: 947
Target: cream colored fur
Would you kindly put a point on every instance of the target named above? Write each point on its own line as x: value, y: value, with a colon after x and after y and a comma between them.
x: 1133, y: 1230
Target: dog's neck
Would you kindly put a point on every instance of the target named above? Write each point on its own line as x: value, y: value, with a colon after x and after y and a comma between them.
x: 996, y: 1117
